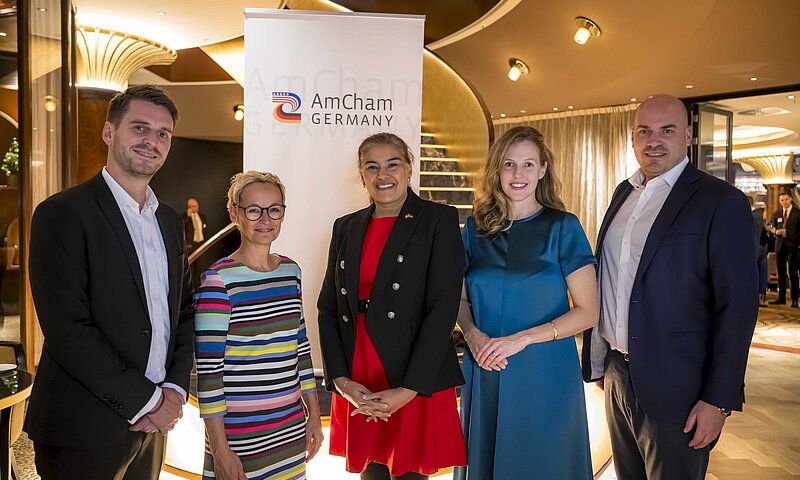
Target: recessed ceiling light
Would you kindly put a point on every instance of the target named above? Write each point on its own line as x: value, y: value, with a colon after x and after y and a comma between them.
x: 518, y: 68
x: 42, y: 9
x: 633, y: 99
x: 586, y: 30
x: 555, y: 109
x: 753, y: 79
x: 502, y: 115
x: 161, y: 12
x: 523, y: 111
x: 690, y: 87
x: 3, y: 34
x: 570, y: 107
x: 790, y: 97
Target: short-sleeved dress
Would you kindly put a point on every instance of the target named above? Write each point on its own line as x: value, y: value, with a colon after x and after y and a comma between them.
x: 529, y: 420
x: 253, y: 365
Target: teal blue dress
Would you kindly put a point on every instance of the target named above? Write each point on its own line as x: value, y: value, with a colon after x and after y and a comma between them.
x: 529, y: 420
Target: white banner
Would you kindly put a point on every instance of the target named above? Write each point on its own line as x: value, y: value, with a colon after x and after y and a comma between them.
x: 316, y: 85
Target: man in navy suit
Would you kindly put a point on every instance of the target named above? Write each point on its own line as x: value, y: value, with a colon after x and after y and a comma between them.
x: 678, y: 285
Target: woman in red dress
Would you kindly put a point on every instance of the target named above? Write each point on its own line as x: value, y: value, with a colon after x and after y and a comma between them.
x: 387, y: 309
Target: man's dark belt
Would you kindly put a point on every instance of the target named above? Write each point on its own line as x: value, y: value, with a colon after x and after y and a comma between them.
x: 363, y: 306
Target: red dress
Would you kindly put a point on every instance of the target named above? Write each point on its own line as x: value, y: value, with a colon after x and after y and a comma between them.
x: 422, y: 436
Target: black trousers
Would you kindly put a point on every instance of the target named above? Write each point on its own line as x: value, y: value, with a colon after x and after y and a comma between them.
x: 139, y: 457
x: 645, y: 448
x: 784, y: 256
x: 378, y: 471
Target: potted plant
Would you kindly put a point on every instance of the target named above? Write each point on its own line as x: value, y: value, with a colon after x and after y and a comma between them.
x: 10, y: 163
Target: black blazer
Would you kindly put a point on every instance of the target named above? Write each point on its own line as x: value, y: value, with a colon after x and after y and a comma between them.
x: 694, y: 300
x: 89, y: 295
x: 415, y: 297
x: 790, y: 240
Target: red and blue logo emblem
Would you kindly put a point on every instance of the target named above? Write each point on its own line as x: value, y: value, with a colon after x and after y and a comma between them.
x: 287, y: 105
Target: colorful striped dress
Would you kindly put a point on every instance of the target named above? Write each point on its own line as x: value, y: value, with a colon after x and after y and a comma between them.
x: 253, y: 364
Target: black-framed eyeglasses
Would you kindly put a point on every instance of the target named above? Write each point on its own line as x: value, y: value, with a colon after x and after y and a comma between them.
x: 254, y: 212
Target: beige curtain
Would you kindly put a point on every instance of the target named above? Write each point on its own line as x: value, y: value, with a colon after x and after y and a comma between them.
x: 590, y: 148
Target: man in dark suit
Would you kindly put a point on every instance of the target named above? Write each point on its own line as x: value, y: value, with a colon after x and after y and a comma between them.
x: 786, y: 222
x: 194, y: 224
x: 678, y: 287
x: 113, y: 294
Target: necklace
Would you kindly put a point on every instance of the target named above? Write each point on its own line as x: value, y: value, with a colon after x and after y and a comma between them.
x: 526, y: 215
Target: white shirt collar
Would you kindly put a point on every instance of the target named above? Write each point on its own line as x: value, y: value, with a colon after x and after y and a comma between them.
x: 124, y: 199
x: 670, y: 176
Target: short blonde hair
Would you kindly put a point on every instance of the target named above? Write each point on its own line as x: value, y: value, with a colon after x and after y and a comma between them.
x: 242, y: 180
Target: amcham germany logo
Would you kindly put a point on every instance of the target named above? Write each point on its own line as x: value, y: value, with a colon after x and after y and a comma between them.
x: 287, y: 105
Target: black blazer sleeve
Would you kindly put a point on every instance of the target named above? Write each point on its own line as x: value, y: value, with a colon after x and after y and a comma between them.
x: 59, y: 282
x: 181, y: 352
x: 442, y: 297
x: 333, y: 354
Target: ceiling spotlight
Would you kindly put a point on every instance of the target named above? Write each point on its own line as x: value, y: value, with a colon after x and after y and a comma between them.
x: 502, y: 115
x: 161, y: 13
x: 238, y: 112
x: 42, y: 9
x: 753, y: 79
x: 3, y: 34
x: 633, y: 99
x: 586, y: 29
x: 570, y: 107
x: 791, y: 97
x: 49, y: 103
x: 523, y: 111
x: 555, y: 109
x: 518, y: 68
x: 690, y: 87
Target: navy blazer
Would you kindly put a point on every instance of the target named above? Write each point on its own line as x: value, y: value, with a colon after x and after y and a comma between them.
x: 415, y: 297
x: 89, y: 295
x: 694, y: 300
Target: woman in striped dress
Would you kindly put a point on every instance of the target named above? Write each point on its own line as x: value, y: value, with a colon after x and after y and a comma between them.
x: 253, y: 358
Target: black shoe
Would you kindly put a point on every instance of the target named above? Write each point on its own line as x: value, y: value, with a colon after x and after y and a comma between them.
x: 778, y: 302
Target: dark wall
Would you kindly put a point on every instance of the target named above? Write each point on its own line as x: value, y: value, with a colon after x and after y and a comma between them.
x: 201, y: 169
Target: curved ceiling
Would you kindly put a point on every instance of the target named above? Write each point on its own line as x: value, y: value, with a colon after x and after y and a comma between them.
x: 645, y: 47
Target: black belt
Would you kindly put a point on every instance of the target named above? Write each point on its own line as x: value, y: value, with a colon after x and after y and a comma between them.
x: 363, y: 306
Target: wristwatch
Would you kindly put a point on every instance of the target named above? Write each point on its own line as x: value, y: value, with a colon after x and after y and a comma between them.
x: 725, y: 412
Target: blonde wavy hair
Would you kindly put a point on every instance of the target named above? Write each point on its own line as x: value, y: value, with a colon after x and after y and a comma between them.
x: 242, y: 180
x: 492, y: 207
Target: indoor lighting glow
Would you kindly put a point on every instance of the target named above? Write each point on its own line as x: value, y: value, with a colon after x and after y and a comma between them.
x: 690, y: 87
x: 502, y: 115
x: 570, y: 107
x: 3, y: 34
x: 522, y: 111
x: 586, y: 30
x: 42, y: 9
x: 49, y: 104
x: 790, y: 97
x: 238, y: 112
x: 161, y: 12
x: 148, y: 30
x: 753, y: 79
x: 555, y: 109
x: 518, y: 68
x: 633, y: 99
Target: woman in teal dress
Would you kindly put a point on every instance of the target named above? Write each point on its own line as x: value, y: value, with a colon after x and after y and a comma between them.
x: 522, y: 407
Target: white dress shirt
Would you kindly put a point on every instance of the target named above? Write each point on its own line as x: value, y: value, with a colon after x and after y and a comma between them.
x: 146, y: 235
x: 622, y: 250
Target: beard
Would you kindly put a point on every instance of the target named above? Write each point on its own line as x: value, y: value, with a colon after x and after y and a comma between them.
x: 135, y: 166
